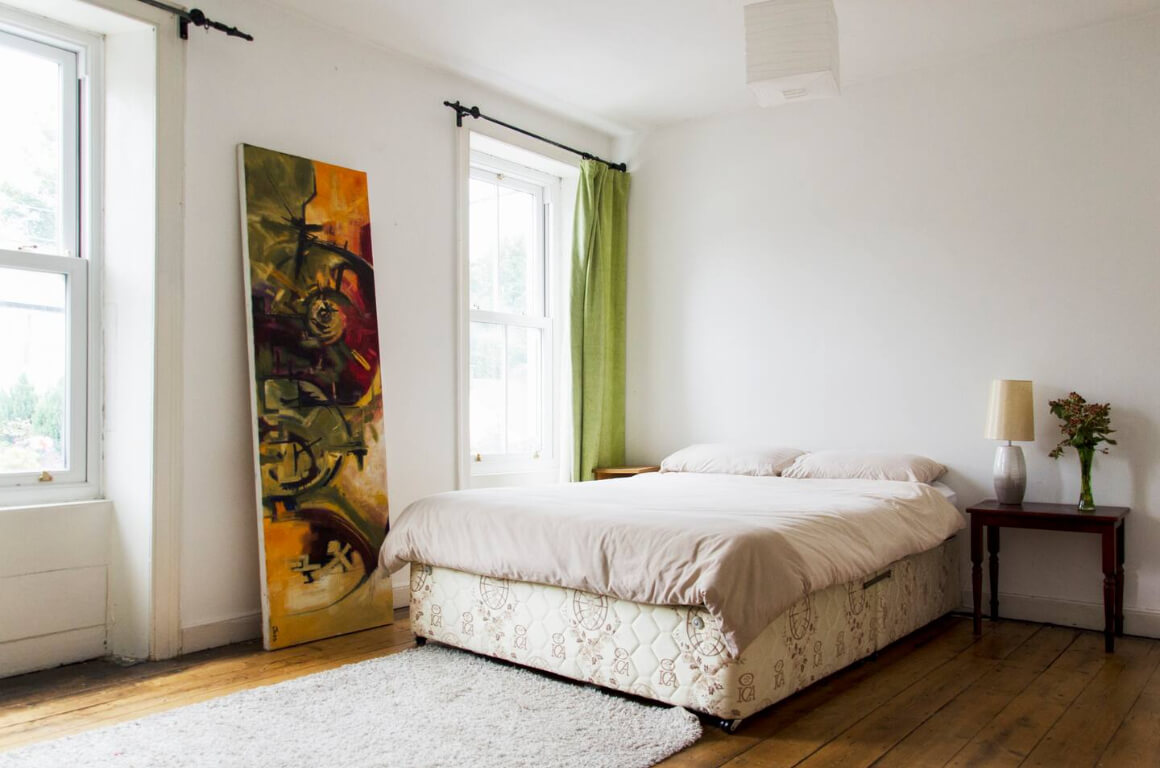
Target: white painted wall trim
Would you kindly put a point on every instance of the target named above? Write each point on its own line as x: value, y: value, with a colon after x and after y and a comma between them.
x: 462, y: 313
x: 1066, y: 613
x: 224, y: 632
x: 168, y: 392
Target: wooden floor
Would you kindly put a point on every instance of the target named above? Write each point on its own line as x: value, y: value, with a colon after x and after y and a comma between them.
x: 1022, y: 694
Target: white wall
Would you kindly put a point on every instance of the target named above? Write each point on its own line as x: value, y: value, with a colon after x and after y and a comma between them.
x: 310, y: 91
x: 853, y: 272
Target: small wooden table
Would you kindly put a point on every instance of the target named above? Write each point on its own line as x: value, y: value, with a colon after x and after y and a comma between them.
x: 1108, y: 522
x: 608, y: 473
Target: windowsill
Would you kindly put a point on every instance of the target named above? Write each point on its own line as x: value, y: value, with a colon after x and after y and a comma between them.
x: 545, y: 474
x: 537, y: 469
x: 13, y: 506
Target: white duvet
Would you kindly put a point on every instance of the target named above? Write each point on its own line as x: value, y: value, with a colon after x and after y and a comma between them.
x: 746, y: 548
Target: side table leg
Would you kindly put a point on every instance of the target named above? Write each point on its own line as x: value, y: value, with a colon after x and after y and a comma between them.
x: 1109, y: 567
x: 993, y: 550
x: 1120, y: 578
x: 977, y: 573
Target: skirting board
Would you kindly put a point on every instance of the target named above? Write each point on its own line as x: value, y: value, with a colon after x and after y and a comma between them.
x: 212, y: 634
x: 1066, y: 613
x: 215, y: 633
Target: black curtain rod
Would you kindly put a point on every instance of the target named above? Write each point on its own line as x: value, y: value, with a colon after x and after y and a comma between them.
x: 196, y: 17
x: 462, y: 112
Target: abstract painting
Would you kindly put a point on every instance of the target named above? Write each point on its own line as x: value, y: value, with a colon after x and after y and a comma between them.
x: 317, y: 396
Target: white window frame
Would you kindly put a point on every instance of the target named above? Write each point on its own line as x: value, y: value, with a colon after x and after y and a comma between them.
x: 80, y: 56
x: 546, y: 188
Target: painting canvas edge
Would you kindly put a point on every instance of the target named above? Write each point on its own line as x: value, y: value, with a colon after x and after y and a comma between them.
x: 253, y: 383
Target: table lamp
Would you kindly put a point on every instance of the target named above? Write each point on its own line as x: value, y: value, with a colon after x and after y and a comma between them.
x: 1011, y: 416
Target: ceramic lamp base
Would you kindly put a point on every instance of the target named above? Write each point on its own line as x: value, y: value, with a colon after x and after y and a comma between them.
x: 1010, y: 474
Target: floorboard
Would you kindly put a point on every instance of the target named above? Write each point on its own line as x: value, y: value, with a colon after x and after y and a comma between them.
x: 942, y: 735
x: 1021, y: 694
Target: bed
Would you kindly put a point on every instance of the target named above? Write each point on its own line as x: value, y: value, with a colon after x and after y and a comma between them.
x: 716, y: 593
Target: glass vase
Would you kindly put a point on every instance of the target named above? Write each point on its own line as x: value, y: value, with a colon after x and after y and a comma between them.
x: 1086, y: 454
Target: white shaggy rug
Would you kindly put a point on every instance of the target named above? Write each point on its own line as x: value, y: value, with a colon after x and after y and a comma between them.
x: 429, y: 706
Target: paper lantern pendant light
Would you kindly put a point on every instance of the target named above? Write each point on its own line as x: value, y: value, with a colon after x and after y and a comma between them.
x: 791, y: 50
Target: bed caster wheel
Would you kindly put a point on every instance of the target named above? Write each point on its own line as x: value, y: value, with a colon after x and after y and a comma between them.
x: 420, y: 641
x: 729, y: 726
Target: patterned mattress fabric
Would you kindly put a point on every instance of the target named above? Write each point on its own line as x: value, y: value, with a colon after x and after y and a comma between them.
x: 676, y: 654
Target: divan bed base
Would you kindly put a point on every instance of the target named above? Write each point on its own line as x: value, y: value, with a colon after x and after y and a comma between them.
x: 676, y: 654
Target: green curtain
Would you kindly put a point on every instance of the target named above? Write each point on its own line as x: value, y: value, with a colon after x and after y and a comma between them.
x: 599, y: 272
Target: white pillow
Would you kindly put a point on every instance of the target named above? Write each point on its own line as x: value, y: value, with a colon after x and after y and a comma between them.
x: 728, y: 459
x: 862, y: 465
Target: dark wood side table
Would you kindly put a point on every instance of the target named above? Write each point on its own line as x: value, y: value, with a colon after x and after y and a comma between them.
x: 608, y: 473
x: 1108, y: 522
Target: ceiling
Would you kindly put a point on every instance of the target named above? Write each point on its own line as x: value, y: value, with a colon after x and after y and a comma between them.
x: 629, y: 65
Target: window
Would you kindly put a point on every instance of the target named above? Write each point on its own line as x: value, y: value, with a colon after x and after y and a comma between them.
x: 512, y: 319
x: 45, y: 297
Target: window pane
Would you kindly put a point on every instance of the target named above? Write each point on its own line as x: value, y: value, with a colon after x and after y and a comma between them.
x: 482, y: 244
x: 34, y: 348
x: 518, y: 292
x: 487, y: 388
x: 524, y: 390
x: 504, y: 252
x: 30, y: 152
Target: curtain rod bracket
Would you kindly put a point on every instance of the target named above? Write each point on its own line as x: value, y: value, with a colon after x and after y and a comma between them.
x: 197, y: 17
x: 462, y: 111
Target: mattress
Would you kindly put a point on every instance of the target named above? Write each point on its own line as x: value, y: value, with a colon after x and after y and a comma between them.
x: 677, y: 654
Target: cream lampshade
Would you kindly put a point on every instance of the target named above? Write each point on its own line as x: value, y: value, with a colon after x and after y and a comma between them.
x: 1011, y: 416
